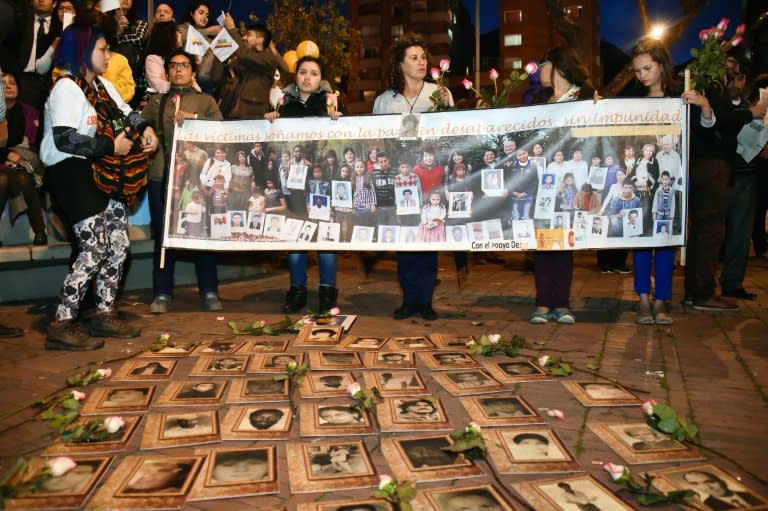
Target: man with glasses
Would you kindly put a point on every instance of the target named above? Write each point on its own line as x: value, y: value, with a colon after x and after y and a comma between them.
x: 162, y: 110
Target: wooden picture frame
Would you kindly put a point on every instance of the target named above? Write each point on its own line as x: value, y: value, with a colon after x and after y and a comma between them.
x: 412, y: 413
x: 390, y: 360
x: 219, y: 347
x: 180, y: 349
x: 257, y: 388
x: 529, y: 451
x: 117, y: 442
x: 269, y: 421
x: 362, y: 343
x: 273, y: 362
x: 236, y: 472
x: 330, y: 466
x: 468, y: 381
x: 319, y: 335
x: 423, y: 458
x: 174, y: 429
x: 478, y: 496
x: 145, y: 369
x: 346, y: 505
x: 637, y: 442
x: 411, y: 343
x: 325, y: 384
x: 396, y: 383
x: 333, y: 418
x: 562, y: 493
x: 601, y: 394
x: 445, y: 360
x: 120, y: 400
x: 264, y: 345
x: 192, y: 393
x: 334, y: 360
x: 517, y: 371
x: 501, y: 410
x: 450, y: 341
x: 228, y: 366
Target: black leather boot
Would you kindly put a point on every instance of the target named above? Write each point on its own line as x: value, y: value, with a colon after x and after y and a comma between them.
x: 295, y: 299
x: 328, y: 295
x: 406, y: 310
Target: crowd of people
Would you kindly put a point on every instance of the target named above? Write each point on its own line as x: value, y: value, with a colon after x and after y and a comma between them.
x: 84, y: 88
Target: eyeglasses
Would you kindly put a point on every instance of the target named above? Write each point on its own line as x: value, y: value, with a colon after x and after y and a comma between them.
x: 180, y: 65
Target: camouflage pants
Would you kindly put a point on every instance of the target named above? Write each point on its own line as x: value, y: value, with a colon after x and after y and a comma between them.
x: 102, y: 246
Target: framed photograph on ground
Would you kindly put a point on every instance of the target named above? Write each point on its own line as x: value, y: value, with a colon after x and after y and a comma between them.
x: 329, y: 418
x: 516, y: 371
x: 346, y: 505
x: 445, y: 360
x: 451, y: 341
x: 334, y: 360
x: 238, y: 472
x: 274, y: 362
x: 179, y: 349
x: 220, y: 366
x: 118, y: 400
x: 476, y: 497
x: 116, y: 442
x: 145, y: 369
x: 601, y: 394
x: 411, y: 343
x: 395, y: 383
x: 66, y: 491
x: 174, y: 429
x: 218, y: 347
x: 569, y: 494
x: 529, y: 450
x: 715, y: 488
x: 325, y: 384
x: 423, y: 458
x: 192, y: 392
x: 268, y: 421
x: 362, y: 343
x: 330, y: 466
x: 468, y: 381
x: 500, y: 410
x: 637, y: 442
x: 319, y: 335
x: 148, y: 482
x: 272, y: 345
x: 257, y: 388
x: 412, y: 413
x: 390, y: 360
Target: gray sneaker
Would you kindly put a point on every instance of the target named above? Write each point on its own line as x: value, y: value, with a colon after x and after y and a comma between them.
x: 160, y: 304
x: 211, y: 302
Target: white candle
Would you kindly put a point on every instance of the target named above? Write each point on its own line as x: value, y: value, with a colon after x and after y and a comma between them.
x: 687, y: 75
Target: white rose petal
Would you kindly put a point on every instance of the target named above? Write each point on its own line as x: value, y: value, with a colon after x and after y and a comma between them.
x: 114, y: 423
x: 61, y: 465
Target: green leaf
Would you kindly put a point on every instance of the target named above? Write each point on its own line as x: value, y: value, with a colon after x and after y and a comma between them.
x: 268, y: 330
x: 233, y: 326
x: 664, y: 411
x: 669, y: 425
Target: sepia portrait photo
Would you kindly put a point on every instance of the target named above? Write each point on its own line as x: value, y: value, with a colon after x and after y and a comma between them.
x: 329, y: 466
x: 145, y: 369
x: 313, y: 335
x: 570, y: 494
x: 516, y: 371
x: 257, y: 388
x: 334, y: 360
x: 468, y: 381
x: 173, y: 429
x: 325, y: 384
x: 480, y: 497
x: 333, y: 418
x: 111, y: 443
x: 347, y: 505
x: 274, y: 362
x: 426, y: 458
x: 443, y: 360
x: 362, y: 343
x: 114, y: 400
x: 390, y: 360
x: 601, y: 394
x: 264, y: 346
x: 411, y: 343
x: 220, y: 366
x: 500, y: 410
x: 239, y: 472
x: 637, y: 442
x: 257, y: 422
x: 218, y: 347
x: 451, y: 341
x: 518, y: 451
x: 412, y: 414
x: 395, y: 383
x: 192, y: 392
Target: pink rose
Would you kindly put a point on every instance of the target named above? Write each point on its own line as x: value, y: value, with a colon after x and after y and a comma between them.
x: 648, y: 407
x: 114, y: 423
x: 384, y: 481
x: 531, y: 67
x: 334, y: 311
x: 703, y: 34
x: 494, y: 338
x: 737, y: 40
x: 77, y: 395
x: 445, y: 65
x: 262, y: 323
x: 544, y: 360
x: 466, y: 83
x: 554, y: 412
x: 104, y: 373
x: 741, y: 29
x: 353, y: 388
x: 493, y: 74
x: 434, y: 73
x: 723, y: 25
x: 616, y: 471
x: 61, y: 465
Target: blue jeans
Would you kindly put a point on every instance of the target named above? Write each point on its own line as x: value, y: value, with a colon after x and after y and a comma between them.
x: 662, y: 260
x: 297, y: 262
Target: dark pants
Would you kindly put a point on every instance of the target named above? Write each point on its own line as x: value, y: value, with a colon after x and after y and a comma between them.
x: 417, y: 272
x: 708, y: 199
x: 554, y: 274
x: 162, y: 278
x: 15, y: 181
x: 759, y: 238
x: 738, y: 230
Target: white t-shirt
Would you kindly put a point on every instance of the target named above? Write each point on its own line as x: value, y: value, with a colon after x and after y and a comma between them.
x: 68, y: 107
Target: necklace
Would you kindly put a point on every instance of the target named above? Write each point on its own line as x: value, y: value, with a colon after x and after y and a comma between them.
x: 411, y: 104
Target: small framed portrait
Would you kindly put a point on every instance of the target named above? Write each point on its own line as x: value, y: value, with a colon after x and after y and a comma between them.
x: 319, y: 335
x: 307, y: 232
x: 500, y: 410
x: 412, y: 413
x: 257, y: 388
x: 517, y: 371
x: 325, y: 384
x: 409, y: 126
x: 218, y: 347
x: 476, y: 497
x: 476, y: 231
x: 492, y: 182
x: 274, y: 362
x: 297, y: 175
x: 468, y: 381
x: 238, y: 472
x: 329, y: 418
x: 570, y: 493
x: 237, y: 221
x: 175, y: 429
x: 342, y: 194
x: 633, y: 222
x: 459, y: 204
x: 113, y: 443
x: 456, y: 234
x: 407, y: 200
x: 426, y: 458
x: 145, y: 369
x: 328, y: 232
x: 319, y: 207
x: 561, y: 221
x: 257, y: 422
x: 637, y: 442
x: 493, y: 229
x: 220, y: 366
x: 192, y: 392
x: 362, y: 343
x: 601, y: 394
x: 545, y: 205
x: 67, y: 491
x: 581, y: 222
x: 118, y: 400
x: 662, y: 229
x: 451, y: 341
x: 262, y: 345
x: 388, y: 234
x: 527, y: 450
x: 714, y: 487
x: 395, y: 383
x: 362, y: 234
x: 334, y: 360
x: 180, y: 349
x: 390, y: 360
x: 273, y: 225
x: 597, y: 177
x: 329, y: 466
x: 419, y: 342
x: 548, y: 184
x: 347, y: 505
x: 256, y: 223
x: 444, y: 360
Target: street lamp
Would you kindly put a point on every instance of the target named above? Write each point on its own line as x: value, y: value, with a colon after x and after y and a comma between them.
x: 657, y: 31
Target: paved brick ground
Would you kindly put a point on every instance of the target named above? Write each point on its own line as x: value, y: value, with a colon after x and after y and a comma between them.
x: 715, y: 366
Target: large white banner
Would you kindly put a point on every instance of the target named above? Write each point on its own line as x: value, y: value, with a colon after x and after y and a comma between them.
x: 550, y: 177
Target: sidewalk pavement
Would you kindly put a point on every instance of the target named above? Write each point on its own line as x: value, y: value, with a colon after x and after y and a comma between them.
x: 714, y: 366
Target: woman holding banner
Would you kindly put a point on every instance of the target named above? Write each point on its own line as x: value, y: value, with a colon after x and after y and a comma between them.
x: 410, y: 93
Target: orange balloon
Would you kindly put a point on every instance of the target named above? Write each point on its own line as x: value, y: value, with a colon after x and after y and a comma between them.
x: 308, y: 49
x: 290, y: 59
